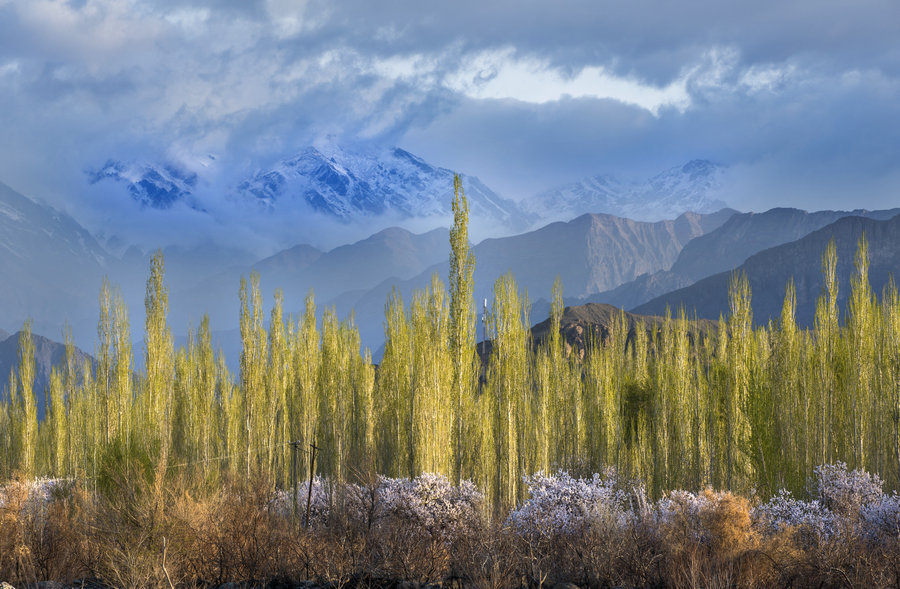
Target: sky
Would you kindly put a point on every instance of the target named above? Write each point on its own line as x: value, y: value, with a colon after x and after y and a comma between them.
x: 800, y: 98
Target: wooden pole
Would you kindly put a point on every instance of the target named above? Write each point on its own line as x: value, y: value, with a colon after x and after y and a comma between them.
x: 312, y: 473
x: 294, y: 447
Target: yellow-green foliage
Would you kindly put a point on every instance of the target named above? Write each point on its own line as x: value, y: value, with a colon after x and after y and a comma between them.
x: 738, y: 407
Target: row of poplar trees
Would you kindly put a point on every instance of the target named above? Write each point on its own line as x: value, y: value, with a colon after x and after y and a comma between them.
x: 673, y: 404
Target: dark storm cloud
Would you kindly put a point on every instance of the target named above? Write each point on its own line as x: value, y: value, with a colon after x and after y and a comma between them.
x: 800, y: 97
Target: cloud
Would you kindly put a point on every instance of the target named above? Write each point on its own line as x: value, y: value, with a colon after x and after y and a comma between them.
x: 800, y: 96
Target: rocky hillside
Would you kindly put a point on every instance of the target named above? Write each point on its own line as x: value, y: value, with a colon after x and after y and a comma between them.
x: 726, y: 247
x: 582, y: 325
x: 589, y: 254
x: 47, y: 354
x: 770, y: 270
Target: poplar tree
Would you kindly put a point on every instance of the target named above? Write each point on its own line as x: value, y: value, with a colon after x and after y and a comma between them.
x: 29, y: 422
x: 158, y: 361
x: 509, y: 383
x: 737, y: 423
x: 123, y: 369
x: 306, y: 358
x: 277, y: 375
x: 827, y: 335
x: 207, y: 412
x: 59, y: 423
x: 254, y: 355
x: 462, y: 324
x: 861, y: 323
x: 104, y: 354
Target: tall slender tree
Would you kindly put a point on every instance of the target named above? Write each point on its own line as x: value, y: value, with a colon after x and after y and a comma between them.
x: 462, y: 324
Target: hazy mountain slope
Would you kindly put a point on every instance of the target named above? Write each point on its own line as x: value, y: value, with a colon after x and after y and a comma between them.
x: 3, y: 335
x: 390, y: 255
x: 47, y: 354
x: 745, y: 234
x: 51, y: 266
x: 694, y: 187
x: 590, y: 253
x: 770, y: 270
x: 726, y: 247
x: 393, y: 252
x: 290, y: 261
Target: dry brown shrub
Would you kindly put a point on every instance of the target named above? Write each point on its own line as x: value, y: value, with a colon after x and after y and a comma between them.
x: 487, y: 560
x: 15, y: 556
x: 39, y: 537
x: 726, y: 519
x: 711, y: 541
x: 236, y: 534
x: 52, y: 535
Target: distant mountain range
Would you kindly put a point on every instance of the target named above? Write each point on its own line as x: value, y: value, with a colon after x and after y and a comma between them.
x: 589, y: 254
x: 342, y: 184
x: 365, y: 184
x: 352, y: 184
x: 769, y: 272
x: 46, y: 259
x: 47, y: 354
x: 727, y: 247
x: 52, y: 267
x: 696, y: 186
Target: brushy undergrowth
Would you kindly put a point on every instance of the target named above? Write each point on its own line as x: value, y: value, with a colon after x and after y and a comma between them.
x: 136, y: 531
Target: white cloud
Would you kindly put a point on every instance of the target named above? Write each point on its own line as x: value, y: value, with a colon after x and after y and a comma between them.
x: 98, y: 30
x: 500, y: 74
x: 9, y: 68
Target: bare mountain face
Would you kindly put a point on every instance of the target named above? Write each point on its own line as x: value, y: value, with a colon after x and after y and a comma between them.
x: 590, y: 254
x: 47, y: 354
x: 728, y: 246
x: 770, y: 271
x: 51, y: 266
x: 693, y: 187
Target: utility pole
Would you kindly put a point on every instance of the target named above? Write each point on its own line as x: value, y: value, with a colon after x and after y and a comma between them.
x: 312, y: 473
x: 295, y: 446
x: 483, y: 327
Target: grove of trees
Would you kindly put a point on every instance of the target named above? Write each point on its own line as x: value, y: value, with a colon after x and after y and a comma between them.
x: 739, y: 407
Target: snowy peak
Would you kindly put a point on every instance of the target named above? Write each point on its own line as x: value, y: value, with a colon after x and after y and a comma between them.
x: 694, y: 186
x: 349, y: 185
x: 154, y: 186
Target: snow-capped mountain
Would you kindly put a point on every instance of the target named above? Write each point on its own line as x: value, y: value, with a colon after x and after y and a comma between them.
x: 349, y: 185
x: 696, y: 186
x: 155, y: 186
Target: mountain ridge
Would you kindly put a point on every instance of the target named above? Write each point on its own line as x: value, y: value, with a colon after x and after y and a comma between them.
x: 726, y: 247
x: 47, y: 354
x: 768, y: 273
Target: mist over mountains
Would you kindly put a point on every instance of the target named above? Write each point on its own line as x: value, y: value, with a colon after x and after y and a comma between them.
x: 697, y: 186
x: 352, y: 191
x: 53, y: 267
